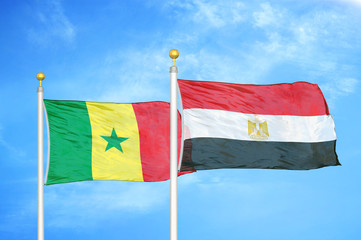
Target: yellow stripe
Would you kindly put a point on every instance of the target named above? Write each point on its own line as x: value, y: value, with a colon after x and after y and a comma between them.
x: 112, y: 164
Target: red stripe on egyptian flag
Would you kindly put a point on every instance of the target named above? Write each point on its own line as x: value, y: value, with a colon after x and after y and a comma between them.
x: 299, y: 99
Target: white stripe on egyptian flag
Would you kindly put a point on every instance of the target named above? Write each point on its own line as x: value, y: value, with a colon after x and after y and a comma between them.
x: 281, y: 126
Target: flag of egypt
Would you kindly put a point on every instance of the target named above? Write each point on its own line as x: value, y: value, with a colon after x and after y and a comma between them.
x: 280, y: 126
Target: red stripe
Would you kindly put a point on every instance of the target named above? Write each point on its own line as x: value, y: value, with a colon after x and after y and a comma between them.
x: 153, y: 120
x: 300, y: 98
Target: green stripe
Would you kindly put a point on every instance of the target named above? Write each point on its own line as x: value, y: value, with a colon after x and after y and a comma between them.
x: 70, y: 142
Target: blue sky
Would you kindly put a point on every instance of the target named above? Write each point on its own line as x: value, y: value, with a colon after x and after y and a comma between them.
x: 118, y: 51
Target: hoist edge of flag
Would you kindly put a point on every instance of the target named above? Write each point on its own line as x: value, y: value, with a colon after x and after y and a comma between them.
x: 68, y: 118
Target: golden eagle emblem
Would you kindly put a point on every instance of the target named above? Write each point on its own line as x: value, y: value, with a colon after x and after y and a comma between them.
x: 258, y: 129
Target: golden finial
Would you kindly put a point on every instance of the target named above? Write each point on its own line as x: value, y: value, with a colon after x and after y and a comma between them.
x: 173, y: 54
x: 40, y: 76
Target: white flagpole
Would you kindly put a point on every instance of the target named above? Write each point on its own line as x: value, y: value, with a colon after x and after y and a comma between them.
x: 173, y: 148
x: 40, y: 76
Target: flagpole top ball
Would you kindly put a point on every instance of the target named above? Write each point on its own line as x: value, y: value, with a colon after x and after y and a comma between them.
x: 40, y: 76
x: 173, y: 54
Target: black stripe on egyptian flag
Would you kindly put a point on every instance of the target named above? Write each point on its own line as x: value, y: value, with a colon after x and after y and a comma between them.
x: 216, y: 153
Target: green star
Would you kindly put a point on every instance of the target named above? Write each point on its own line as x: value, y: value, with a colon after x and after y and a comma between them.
x: 114, y: 141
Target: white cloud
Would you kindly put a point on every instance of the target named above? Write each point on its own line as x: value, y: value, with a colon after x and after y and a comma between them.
x: 353, y: 2
x: 52, y: 24
x: 268, y: 16
x: 218, y: 15
x: 348, y: 85
x: 338, y: 87
x: 341, y: 87
x: 284, y: 37
x: 306, y: 41
x: 211, y: 13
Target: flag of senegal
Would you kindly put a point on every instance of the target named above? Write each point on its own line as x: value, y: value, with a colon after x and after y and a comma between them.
x: 108, y: 141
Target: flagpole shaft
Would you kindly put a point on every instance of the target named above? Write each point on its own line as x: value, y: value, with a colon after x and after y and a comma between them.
x: 173, y: 155
x: 40, y: 165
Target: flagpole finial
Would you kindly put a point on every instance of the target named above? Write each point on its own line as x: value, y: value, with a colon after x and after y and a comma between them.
x: 40, y: 76
x: 173, y: 54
